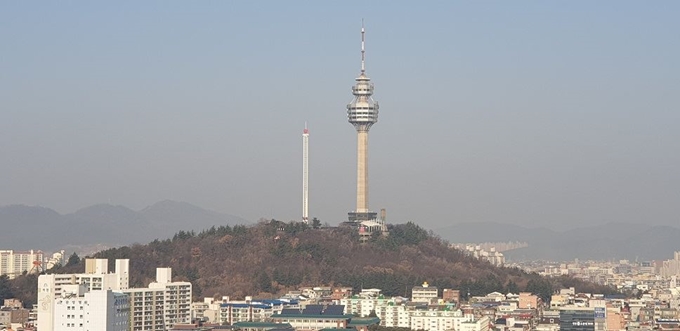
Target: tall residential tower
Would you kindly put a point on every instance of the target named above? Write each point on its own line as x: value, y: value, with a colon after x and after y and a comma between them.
x: 362, y: 112
x: 305, y: 175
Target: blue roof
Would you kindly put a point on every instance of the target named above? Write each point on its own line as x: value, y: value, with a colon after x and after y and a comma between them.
x: 274, y: 302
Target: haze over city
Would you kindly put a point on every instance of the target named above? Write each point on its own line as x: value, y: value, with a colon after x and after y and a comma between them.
x: 535, y: 114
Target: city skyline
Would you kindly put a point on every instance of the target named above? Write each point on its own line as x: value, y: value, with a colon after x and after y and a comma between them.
x: 549, y: 114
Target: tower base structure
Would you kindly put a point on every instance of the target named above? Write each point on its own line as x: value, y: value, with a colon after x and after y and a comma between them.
x: 366, y: 223
x: 357, y: 217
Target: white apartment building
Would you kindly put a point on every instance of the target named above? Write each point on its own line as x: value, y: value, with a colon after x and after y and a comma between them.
x: 363, y: 306
x: 425, y: 293
x: 51, y: 287
x: 231, y: 312
x: 160, y: 306
x: 14, y: 263
x: 199, y: 308
x: 430, y: 320
x: 481, y: 324
x: 78, y: 309
x: 146, y: 309
x: 437, y: 320
x: 393, y: 316
x: 56, y: 259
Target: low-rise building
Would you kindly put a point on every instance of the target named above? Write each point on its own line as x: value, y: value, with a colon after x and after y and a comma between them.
x: 425, y: 293
x: 314, y: 317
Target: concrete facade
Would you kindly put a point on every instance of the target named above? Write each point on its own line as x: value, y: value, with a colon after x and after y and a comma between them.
x: 160, y: 306
x: 52, y: 286
x: 362, y: 171
x: 424, y: 293
x: 81, y: 310
x: 14, y: 263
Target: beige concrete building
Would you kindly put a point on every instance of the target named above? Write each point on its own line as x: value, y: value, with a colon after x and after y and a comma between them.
x: 528, y: 300
x: 424, y: 293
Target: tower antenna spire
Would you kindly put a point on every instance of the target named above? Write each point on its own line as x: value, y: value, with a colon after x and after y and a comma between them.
x: 363, y: 47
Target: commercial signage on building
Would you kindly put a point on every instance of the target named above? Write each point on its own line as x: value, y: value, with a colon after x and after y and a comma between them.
x: 600, y: 312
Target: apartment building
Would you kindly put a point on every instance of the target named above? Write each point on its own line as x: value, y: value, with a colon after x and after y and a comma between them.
x: 393, y: 316
x: 14, y: 263
x: 96, y: 278
x: 231, y: 313
x: 437, y: 320
x: 365, y: 305
x: 160, y: 306
x: 226, y: 311
x: 79, y: 309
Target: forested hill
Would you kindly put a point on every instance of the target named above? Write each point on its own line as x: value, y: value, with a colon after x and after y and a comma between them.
x: 264, y: 260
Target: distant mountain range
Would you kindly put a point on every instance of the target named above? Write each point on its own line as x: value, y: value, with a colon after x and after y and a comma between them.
x: 30, y: 227
x: 601, y: 242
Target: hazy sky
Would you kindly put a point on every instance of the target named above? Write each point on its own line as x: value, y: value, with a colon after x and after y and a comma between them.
x: 533, y: 113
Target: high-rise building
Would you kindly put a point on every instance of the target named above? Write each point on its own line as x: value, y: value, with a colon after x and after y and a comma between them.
x: 362, y: 113
x: 96, y: 278
x: 14, y: 263
x: 82, y: 310
x: 305, y: 175
x: 160, y: 306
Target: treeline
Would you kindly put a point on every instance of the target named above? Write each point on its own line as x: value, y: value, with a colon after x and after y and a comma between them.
x: 273, y: 256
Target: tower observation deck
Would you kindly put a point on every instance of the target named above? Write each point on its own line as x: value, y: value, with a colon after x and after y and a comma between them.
x: 362, y: 113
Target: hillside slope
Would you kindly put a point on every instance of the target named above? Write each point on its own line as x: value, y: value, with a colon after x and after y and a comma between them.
x: 263, y: 260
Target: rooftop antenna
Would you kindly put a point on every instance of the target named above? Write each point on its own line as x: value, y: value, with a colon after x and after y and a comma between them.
x: 363, y: 47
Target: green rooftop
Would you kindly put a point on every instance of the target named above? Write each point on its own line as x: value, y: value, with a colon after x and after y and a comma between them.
x: 261, y: 325
x: 364, y: 321
x: 315, y: 316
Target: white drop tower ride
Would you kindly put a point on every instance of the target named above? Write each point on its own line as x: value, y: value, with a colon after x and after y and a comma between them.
x: 305, y: 174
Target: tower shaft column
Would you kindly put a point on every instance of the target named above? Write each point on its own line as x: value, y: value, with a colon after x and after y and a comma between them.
x: 362, y: 171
